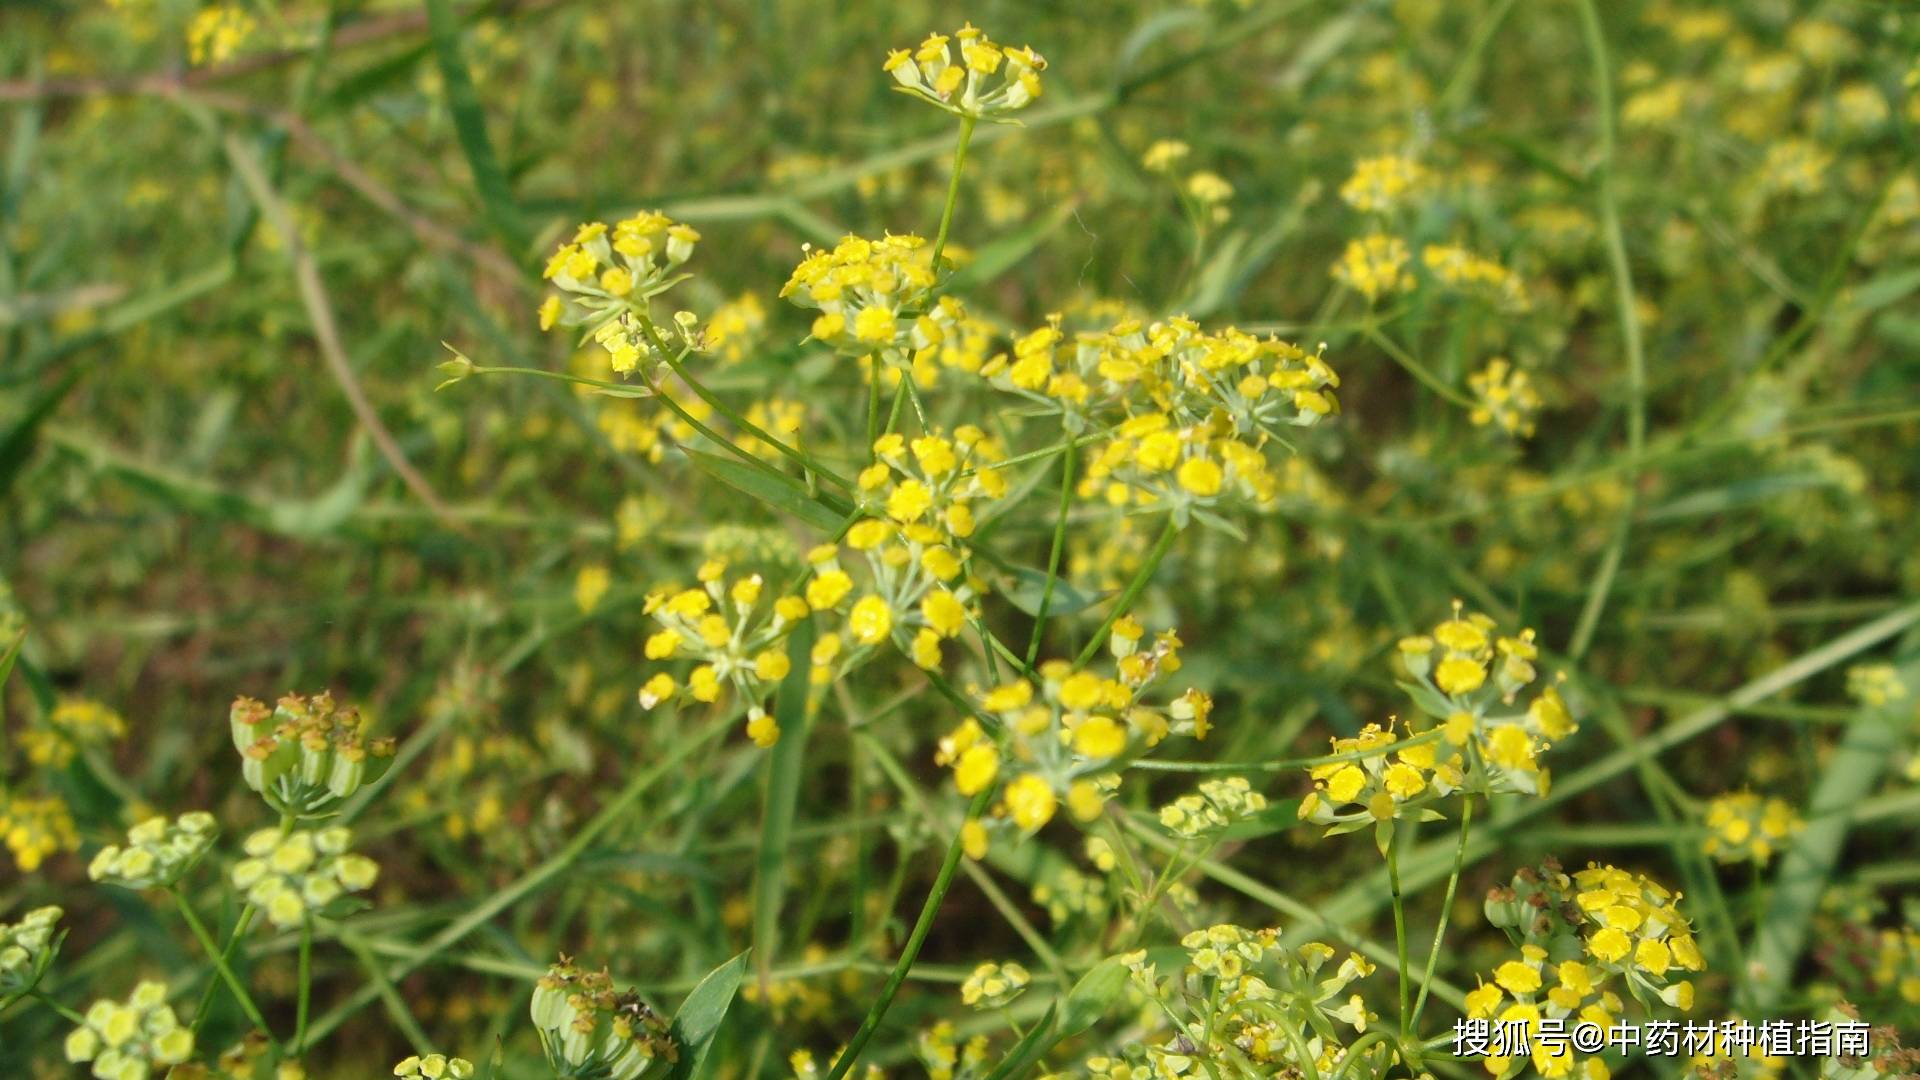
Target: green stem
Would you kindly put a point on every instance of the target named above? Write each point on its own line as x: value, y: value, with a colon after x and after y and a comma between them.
x: 306, y: 989
x: 792, y: 453
x: 1053, y: 556
x: 915, y: 940
x: 1414, y: 368
x: 220, y: 964
x: 1134, y: 589
x: 1399, y: 927
x: 1446, y: 911
x: 71, y: 1016
x: 873, y: 407
x: 953, y: 188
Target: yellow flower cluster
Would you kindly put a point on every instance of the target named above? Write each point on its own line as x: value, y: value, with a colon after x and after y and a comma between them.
x: 1504, y: 395
x: 1061, y: 734
x: 1876, y: 685
x: 1383, y: 184
x: 735, y: 328
x: 1742, y: 826
x: 608, y: 276
x: 1462, y: 673
x: 874, y: 300
x: 994, y: 986
x: 1211, y: 809
x: 1375, y: 265
x: 158, y: 851
x: 35, y: 828
x: 289, y: 875
x: 947, y: 1058
x: 985, y: 79
x: 72, y: 724
x: 1474, y: 275
x: 1896, y: 963
x: 1187, y: 413
x: 217, y: 32
x: 1366, y: 788
x: 131, y: 1041
x: 1632, y: 933
x: 738, y: 640
x: 1240, y: 996
x: 434, y: 1067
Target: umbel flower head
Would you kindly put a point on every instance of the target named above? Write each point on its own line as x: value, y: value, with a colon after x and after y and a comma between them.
x: 27, y: 949
x: 36, y: 827
x: 305, y: 754
x: 1468, y: 676
x: 131, y: 1040
x: 290, y: 875
x: 994, y: 986
x: 870, y: 295
x: 1743, y: 826
x: 590, y: 1029
x: 73, y: 724
x: 158, y: 851
x: 606, y: 273
x: 968, y: 74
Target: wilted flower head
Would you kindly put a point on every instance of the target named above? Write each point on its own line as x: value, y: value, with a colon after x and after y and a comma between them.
x: 290, y: 875
x: 589, y: 1028
x: 158, y: 851
x: 128, y: 1041
x: 305, y: 754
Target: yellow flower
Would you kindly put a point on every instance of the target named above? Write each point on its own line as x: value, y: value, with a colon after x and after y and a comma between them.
x: 977, y: 767
x: 1099, y: 737
x: 1609, y: 945
x: 944, y: 612
x: 1517, y: 977
x: 1030, y: 800
x: 1458, y: 675
x: 1201, y: 477
x: 871, y: 620
x: 1345, y: 784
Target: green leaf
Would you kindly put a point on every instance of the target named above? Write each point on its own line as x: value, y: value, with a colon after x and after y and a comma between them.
x: 1028, y: 585
x: 783, y: 796
x: 1431, y: 701
x: 1027, y: 1049
x: 470, y: 124
x: 698, y: 1020
x: 777, y: 490
x: 1093, y: 996
x: 17, y: 444
x: 6, y: 670
x: 1807, y: 864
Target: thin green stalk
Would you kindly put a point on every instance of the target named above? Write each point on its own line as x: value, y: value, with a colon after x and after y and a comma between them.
x: 1399, y: 928
x: 224, y: 956
x: 1134, y: 589
x: 1629, y: 316
x: 953, y: 188
x: 220, y: 964
x: 1413, y: 367
x: 70, y: 1016
x: 1053, y: 556
x: 915, y: 940
x: 306, y: 989
x: 873, y: 407
x: 1446, y: 913
x: 792, y: 453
